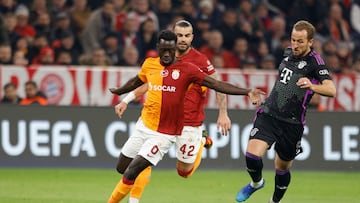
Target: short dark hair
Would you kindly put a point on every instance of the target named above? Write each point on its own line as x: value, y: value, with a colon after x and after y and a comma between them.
x: 32, y: 83
x: 305, y: 25
x: 167, y: 35
x: 10, y: 84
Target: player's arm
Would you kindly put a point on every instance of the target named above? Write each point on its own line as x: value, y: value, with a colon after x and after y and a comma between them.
x: 326, y: 88
x: 122, y: 106
x: 223, y: 121
x: 227, y: 88
x: 129, y: 85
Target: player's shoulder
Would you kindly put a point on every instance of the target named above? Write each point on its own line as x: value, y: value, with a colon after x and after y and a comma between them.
x: 198, y: 55
x: 315, y: 58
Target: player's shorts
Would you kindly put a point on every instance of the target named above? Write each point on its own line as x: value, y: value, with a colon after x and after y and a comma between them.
x: 188, y: 144
x: 286, y: 136
x: 147, y: 143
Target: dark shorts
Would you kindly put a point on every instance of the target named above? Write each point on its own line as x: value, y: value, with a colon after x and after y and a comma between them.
x: 286, y: 136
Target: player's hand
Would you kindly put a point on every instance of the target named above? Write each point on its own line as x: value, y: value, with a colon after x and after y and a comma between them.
x: 120, y: 108
x: 255, y: 96
x: 304, y: 83
x: 224, y: 123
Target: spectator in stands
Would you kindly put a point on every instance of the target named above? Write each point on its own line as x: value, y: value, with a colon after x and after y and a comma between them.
x: 67, y: 44
x: 130, y: 57
x: 63, y: 58
x: 142, y: 11
x: 261, y: 50
x: 7, y: 6
x: 33, y: 95
x: 38, y: 8
x: 45, y: 57
x: 267, y: 62
x: 56, y: 7
x: 229, y: 27
x: 97, y: 58
x: 146, y: 38
x: 42, y: 24
x: 19, y: 59
x: 279, y: 51
x: 61, y: 25
x: 112, y: 48
x: 333, y: 63
x: 164, y: 13
x: 344, y: 54
x: 5, y: 54
x: 188, y: 11
x: 201, y: 30
x: 338, y: 27
x: 121, y: 9
x: 356, y: 66
x: 79, y: 13
x: 208, y: 10
x: 4, y: 37
x: 249, y: 64
x: 263, y: 17
x: 241, y: 50
x: 214, y: 47
x: 129, y: 33
x: 23, y: 28
x: 278, y: 30
x: 100, y: 23
x: 10, y: 22
x: 10, y: 94
x: 329, y: 47
x: 40, y: 41
x: 22, y: 45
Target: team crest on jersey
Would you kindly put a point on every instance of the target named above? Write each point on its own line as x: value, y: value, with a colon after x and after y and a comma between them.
x: 302, y: 64
x: 175, y: 74
x: 164, y: 73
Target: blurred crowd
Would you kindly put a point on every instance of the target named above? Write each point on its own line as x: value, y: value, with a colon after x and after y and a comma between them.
x: 236, y: 34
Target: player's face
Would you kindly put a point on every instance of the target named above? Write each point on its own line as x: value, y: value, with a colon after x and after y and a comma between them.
x: 299, y: 43
x: 184, y: 38
x: 166, y: 52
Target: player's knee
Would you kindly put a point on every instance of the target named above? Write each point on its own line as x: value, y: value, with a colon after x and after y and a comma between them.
x: 120, y: 169
x: 183, y: 173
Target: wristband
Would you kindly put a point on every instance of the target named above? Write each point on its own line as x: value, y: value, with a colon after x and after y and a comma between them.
x: 129, y: 97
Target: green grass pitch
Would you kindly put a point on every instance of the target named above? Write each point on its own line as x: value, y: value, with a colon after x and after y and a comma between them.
x: 205, y: 186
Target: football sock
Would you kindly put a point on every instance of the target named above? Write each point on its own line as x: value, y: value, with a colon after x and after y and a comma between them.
x: 140, y: 183
x: 198, y: 159
x: 282, y: 180
x: 121, y: 190
x: 254, y: 166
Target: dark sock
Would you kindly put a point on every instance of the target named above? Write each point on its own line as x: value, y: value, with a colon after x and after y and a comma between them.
x: 254, y: 166
x: 282, y: 180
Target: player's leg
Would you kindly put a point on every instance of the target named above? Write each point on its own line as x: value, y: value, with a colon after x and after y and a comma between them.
x: 282, y: 178
x: 287, y: 147
x: 123, y: 188
x: 189, y: 147
x: 254, y: 165
x: 259, y: 141
x: 129, y: 151
x: 139, y: 186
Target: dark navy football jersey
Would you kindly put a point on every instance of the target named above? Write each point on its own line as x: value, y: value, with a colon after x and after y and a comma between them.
x: 287, y: 101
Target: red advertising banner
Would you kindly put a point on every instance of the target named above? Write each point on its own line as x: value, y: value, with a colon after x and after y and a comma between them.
x: 88, y: 86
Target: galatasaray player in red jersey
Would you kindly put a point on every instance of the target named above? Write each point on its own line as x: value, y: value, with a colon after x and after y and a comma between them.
x: 162, y: 117
x: 190, y: 144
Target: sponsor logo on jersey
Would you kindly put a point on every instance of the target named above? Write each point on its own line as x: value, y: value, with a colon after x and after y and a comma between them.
x: 175, y: 74
x: 323, y: 72
x: 164, y: 88
x: 302, y: 64
x: 285, y: 75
